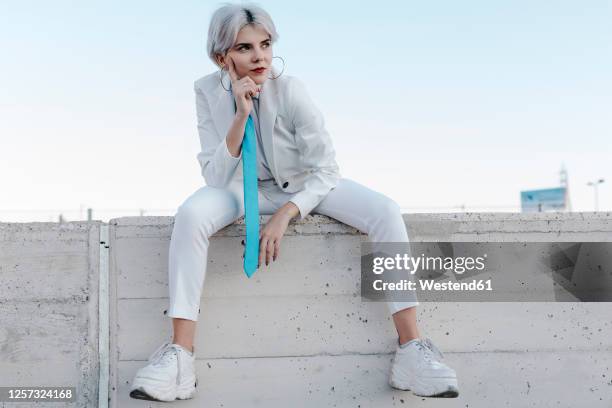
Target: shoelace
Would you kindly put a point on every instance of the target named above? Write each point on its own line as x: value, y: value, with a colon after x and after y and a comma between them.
x: 164, y: 354
x: 431, y: 351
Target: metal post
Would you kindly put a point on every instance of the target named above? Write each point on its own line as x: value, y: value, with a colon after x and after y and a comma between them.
x: 596, y: 184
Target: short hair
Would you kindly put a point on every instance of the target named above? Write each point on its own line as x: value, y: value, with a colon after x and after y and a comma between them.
x: 228, y: 20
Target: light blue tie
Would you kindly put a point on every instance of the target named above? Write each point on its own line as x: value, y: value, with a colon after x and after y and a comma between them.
x: 251, y: 202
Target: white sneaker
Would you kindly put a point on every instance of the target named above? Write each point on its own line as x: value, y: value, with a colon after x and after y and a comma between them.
x: 170, y: 375
x: 417, y: 367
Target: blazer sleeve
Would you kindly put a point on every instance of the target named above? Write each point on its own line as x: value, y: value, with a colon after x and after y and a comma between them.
x: 317, y: 152
x: 216, y: 162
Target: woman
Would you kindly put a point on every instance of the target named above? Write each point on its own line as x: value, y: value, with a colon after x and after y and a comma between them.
x: 297, y: 175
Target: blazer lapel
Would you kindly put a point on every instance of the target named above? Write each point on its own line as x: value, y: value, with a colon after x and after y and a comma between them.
x: 223, y: 115
x: 268, y: 108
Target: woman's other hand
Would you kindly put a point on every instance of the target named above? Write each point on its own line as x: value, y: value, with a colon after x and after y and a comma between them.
x: 270, y: 236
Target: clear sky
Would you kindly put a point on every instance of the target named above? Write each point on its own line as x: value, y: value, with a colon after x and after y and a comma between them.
x: 436, y: 104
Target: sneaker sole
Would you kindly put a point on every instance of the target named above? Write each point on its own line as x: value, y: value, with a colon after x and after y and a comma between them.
x: 183, y: 392
x: 451, y: 392
x: 437, y: 388
x: 141, y: 395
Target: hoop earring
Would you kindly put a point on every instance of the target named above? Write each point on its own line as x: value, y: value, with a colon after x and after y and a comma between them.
x: 221, y: 80
x: 283, y: 70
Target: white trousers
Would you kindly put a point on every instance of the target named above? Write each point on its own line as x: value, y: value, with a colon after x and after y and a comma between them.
x: 210, y: 209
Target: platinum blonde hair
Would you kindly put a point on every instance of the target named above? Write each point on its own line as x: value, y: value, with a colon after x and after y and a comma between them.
x: 228, y: 20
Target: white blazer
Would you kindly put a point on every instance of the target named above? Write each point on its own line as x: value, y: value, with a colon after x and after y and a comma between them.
x: 299, y: 149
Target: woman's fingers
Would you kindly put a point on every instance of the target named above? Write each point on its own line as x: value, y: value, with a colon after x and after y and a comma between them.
x: 245, y: 86
x: 231, y: 69
x: 269, y: 251
x: 250, y: 90
x: 262, y: 250
x: 248, y: 82
x: 276, y: 249
x: 239, y: 82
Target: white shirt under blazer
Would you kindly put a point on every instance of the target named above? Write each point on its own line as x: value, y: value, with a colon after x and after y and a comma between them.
x: 299, y: 149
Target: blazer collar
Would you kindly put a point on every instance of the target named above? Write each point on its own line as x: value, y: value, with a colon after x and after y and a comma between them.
x: 223, y: 114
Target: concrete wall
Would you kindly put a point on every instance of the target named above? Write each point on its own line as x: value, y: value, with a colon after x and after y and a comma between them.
x: 49, y: 308
x: 296, y: 333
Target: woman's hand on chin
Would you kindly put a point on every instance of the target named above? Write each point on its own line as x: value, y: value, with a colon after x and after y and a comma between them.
x: 243, y: 89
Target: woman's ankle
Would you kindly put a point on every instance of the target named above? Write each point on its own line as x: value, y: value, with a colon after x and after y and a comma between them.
x: 185, y: 345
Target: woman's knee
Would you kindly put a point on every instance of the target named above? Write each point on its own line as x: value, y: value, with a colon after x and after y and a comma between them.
x: 201, y: 210
x: 387, y: 207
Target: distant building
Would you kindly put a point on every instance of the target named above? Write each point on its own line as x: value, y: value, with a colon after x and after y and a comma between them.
x: 548, y: 199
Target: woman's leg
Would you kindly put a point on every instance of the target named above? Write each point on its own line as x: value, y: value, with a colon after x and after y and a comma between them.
x: 380, y: 217
x: 205, y: 212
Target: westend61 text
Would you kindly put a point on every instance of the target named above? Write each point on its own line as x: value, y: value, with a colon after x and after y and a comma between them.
x: 428, y: 284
